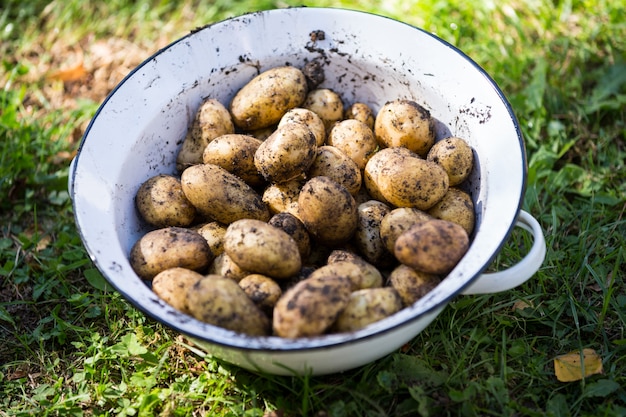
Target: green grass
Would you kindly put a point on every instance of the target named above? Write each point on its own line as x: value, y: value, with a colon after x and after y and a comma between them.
x: 71, y: 346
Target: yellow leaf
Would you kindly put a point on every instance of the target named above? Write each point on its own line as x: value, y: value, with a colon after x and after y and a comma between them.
x: 569, y: 367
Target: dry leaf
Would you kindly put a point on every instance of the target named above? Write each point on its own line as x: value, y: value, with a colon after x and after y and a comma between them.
x: 71, y: 74
x: 521, y: 305
x: 569, y: 367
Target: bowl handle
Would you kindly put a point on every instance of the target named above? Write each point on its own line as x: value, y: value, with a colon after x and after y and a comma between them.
x: 519, y: 273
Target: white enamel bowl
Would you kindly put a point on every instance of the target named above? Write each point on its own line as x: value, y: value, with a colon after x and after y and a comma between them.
x: 137, y: 131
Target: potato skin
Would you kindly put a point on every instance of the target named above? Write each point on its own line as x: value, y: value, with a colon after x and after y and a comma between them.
x: 211, y: 120
x: 161, y: 202
x: 311, y: 306
x: 222, y: 302
x: 172, y: 284
x: 327, y: 104
x: 222, y: 196
x: 397, y: 221
x: 287, y: 154
x: 235, y: 153
x: 366, y: 307
x: 434, y: 246
x: 213, y: 233
x: 225, y: 266
x: 169, y: 247
x: 405, y: 123
x: 367, y: 236
x: 310, y: 119
x: 455, y: 156
x: 283, y: 197
x: 361, y: 112
x: 376, y: 163
x: 456, y: 206
x: 361, y: 273
x: 327, y: 210
x: 411, y: 284
x: 355, y: 139
x: 291, y: 225
x: 262, y: 248
x: 333, y: 163
x: 262, y: 290
x: 267, y: 97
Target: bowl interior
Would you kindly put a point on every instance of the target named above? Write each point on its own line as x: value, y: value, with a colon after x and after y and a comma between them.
x: 138, y: 130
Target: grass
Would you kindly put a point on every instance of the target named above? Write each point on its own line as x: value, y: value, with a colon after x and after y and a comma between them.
x: 71, y: 346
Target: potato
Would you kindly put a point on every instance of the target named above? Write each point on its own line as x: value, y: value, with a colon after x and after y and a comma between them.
x: 267, y: 97
x: 412, y: 284
x: 213, y: 233
x: 327, y: 104
x: 367, y: 236
x: 211, y: 120
x: 412, y: 182
x: 456, y: 206
x: 327, y: 210
x: 361, y: 273
x: 310, y: 119
x: 169, y: 247
x: 361, y: 112
x: 374, y: 167
x: 262, y: 290
x: 222, y: 302
x: 283, y: 197
x: 161, y: 202
x: 397, y: 221
x: 405, y: 123
x: 291, y: 225
x: 235, y: 153
x: 433, y: 246
x: 355, y: 139
x: 311, y: 306
x: 286, y: 154
x: 262, y: 248
x: 225, y: 266
x: 333, y: 163
x: 366, y: 307
x: 455, y: 156
x: 222, y: 196
x: 172, y: 284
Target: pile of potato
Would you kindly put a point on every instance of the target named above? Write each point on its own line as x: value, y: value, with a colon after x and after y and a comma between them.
x: 295, y: 216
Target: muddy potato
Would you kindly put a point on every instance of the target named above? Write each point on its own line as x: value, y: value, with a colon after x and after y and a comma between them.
x: 262, y: 290
x: 361, y: 112
x: 327, y: 104
x: 362, y: 274
x: 283, y: 197
x: 333, y: 163
x: 412, y: 284
x: 327, y: 210
x: 286, y: 154
x: 211, y: 120
x: 366, y: 307
x: 433, y: 246
x: 311, y: 306
x: 355, y: 139
x: 222, y: 302
x: 213, y: 233
x: 397, y: 221
x: 405, y: 123
x: 291, y: 225
x: 172, y: 284
x: 262, y: 248
x: 267, y: 97
x: 235, y: 153
x: 374, y: 166
x: 169, y: 247
x: 412, y: 182
x: 161, y: 202
x: 224, y: 265
x: 456, y: 206
x: 455, y: 156
x: 310, y: 119
x: 367, y: 236
x: 222, y: 196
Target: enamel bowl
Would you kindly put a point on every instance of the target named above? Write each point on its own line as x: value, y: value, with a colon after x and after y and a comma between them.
x: 139, y: 128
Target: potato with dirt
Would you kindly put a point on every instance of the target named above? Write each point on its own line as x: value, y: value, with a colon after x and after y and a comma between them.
x: 213, y: 233
x: 355, y: 139
x: 235, y: 153
x: 172, y: 284
x: 405, y: 123
x: 161, y: 202
x: 456, y: 206
x: 335, y: 164
x: 291, y: 225
x: 367, y: 306
x: 264, y: 100
x: 367, y: 237
x: 308, y: 118
x: 167, y: 248
x: 455, y: 156
x: 411, y: 284
x: 327, y: 104
x: 211, y: 120
x: 262, y: 290
x: 361, y: 112
x: 221, y: 196
x: 397, y: 221
x: 374, y: 166
x: 222, y: 302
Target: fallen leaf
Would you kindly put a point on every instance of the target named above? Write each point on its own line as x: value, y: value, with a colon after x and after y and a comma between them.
x: 569, y: 367
x: 521, y: 305
x: 70, y: 74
